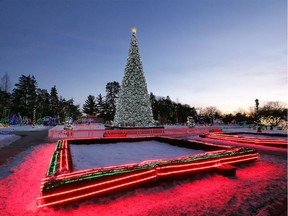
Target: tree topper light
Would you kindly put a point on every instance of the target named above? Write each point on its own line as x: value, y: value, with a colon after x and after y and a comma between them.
x: 133, y: 30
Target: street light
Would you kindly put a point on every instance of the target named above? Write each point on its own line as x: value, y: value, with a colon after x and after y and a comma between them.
x: 258, y: 126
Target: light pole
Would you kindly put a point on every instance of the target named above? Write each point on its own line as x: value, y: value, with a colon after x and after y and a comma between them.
x: 258, y: 126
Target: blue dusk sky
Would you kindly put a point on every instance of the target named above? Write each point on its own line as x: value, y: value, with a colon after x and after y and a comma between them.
x: 223, y: 53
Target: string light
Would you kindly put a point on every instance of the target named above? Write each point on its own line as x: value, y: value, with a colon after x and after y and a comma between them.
x: 62, y: 185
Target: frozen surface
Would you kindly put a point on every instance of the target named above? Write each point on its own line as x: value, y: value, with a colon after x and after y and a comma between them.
x: 104, y: 155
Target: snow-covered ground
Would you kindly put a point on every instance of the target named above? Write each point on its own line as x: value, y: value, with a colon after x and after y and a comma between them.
x: 256, y: 189
x: 259, y: 188
x: 6, y: 138
x: 25, y: 128
x: 93, y: 126
x: 246, y: 129
x: 121, y: 153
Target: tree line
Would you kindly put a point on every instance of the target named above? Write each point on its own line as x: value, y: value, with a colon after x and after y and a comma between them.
x: 26, y: 97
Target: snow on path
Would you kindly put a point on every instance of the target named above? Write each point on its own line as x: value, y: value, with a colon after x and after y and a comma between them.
x: 254, y: 188
x: 25, y: 128
x: 7, y: 139
x: 20, y: 190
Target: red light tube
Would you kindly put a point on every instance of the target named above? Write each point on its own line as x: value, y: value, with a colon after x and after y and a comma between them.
x: 205, y: 162
x: 206, y: 167
x: 96, y: 192
x: 98, y: 184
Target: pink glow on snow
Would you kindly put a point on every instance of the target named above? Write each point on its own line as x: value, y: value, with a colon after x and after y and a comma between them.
x: 251, y: 191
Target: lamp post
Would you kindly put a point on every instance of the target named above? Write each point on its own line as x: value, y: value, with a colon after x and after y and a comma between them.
x: 34, y: 117
x: 258, y: 126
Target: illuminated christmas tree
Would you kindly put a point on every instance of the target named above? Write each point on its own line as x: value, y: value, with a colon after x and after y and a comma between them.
x: 133, y: 107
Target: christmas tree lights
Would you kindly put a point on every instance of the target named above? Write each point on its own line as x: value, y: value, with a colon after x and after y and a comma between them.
x: 133, y: 108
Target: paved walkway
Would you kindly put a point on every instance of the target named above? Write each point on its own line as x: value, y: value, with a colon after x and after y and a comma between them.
x: 29, y: 139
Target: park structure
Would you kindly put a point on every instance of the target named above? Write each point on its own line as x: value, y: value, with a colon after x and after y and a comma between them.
x: 133, y: 107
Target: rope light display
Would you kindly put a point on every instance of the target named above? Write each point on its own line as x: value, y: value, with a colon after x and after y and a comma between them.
x: 62, y: 184
x: 254, y: 140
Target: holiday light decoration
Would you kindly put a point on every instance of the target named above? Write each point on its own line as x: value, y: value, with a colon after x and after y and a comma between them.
x: 257, y: 141
x: 63, y: 185
x: 133, y: 108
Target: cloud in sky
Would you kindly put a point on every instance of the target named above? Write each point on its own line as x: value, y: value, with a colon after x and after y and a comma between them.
x: 203, y: 53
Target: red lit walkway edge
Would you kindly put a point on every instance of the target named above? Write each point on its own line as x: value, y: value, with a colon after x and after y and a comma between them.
x: 257, y: 141
x: 72, y: 191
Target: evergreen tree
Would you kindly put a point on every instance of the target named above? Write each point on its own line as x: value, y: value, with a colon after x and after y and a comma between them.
x: 165, y: 110
x: 54, y: 102
x: 100, y: 104
x: 25, y: 96
x: 154, y: 105
x: 68, y: 109
x: 43, y: 102
x: 112, y: 94
x: 90, y: 106
x: 74, y: 109
x: 184, y: 111
x: 134, y: 104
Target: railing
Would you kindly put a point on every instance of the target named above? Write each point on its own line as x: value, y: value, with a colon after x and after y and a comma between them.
x: 76, y: 134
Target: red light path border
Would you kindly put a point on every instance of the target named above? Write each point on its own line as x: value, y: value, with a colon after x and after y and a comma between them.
x: 257, y: 141
x: 102, y: 185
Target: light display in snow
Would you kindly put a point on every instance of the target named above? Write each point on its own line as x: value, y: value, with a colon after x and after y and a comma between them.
x: 63, y: 185
x: 262, y: 140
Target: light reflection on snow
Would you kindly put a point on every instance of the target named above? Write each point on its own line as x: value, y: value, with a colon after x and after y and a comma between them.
x: 252, y: 190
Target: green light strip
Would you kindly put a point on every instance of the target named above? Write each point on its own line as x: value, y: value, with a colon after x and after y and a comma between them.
x: 53, y: 161
x: 105, y: 173
x: 50, y: 166
x: 58, y: 147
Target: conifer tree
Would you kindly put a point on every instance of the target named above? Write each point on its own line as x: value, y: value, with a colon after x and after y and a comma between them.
x: 90, y: 106
x: 112, y: 92
x: 24, y: 95
x: 133, y: 107
x: 54, y: 102
x: 43, y: 102
x: 100, y: 104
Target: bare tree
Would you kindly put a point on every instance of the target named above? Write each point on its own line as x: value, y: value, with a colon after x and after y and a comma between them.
x: 211, y: 111
x: 273, y: 111
x: 207, y: 114
x: 5, y: 83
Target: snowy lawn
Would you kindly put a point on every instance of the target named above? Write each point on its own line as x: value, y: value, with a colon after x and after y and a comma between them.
x: 121, y: 153
x: 257, y: 189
